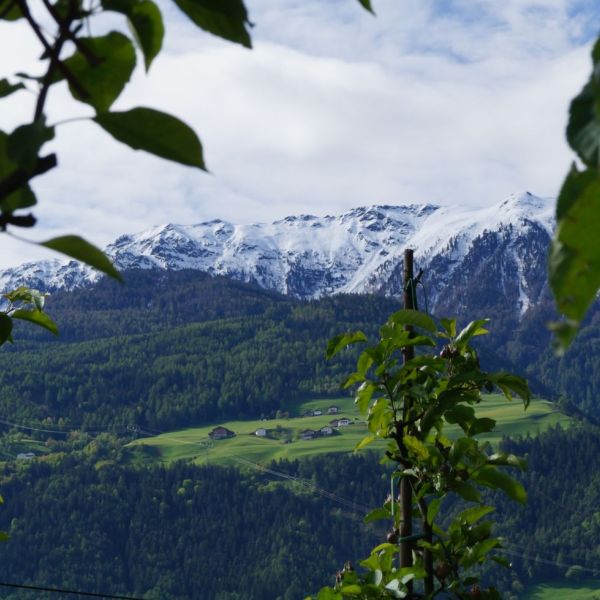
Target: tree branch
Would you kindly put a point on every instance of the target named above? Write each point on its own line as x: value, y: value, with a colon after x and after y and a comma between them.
x: 70, y: 35
x: 55, y: 62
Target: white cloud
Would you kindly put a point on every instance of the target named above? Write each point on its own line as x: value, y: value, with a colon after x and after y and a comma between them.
x: 332, y: 109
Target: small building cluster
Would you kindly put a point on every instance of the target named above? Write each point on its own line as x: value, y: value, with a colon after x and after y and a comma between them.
x: 317, y: 412
x: 221, y: 433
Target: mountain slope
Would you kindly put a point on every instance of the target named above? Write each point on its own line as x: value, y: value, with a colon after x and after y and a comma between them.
x: 359, y: 251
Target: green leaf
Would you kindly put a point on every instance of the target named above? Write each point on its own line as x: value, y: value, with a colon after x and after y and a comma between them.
x: 472, y: 515
x: 348, y: 590
x: 467, y: 492
x: 574, y: 263
x: 483, y: 425
x: 433, y: 509
x: 365, y: 360
x: 79, y: 249
x: 363, y: 396
x: 506, y: 459
x: 146, y: 22
x: 104, y: 76
x: 7, y: 88
x: 583, y: 129
x: 226, y: 18
x: 327, y: 593
x: 21, y: 198
x: 416, y: 446
x: 367, y: 4
x: 474, y: 328
x: 340, y: 342
x: 38, y: 317
x: 377, y: 514
x: 369, y: 439
x: 512, y: 383
x: 478, y: 552
x: 492, y: 477
x: 6, y: 326
x: 459, y: 414
x: 155, y: 132
x: 25, y: 142
x: 414, y: 318
x: 9, y: 11
x: 450, y: 326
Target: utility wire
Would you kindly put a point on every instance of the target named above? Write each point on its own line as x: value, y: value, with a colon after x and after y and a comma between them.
x: 63, y: 591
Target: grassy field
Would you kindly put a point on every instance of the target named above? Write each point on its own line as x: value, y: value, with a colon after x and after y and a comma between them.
x: 194, y: 443
x: 587, y: 590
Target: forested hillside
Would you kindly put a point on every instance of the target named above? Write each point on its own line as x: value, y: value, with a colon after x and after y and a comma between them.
x: 86, y: 522
x: 180, y: 348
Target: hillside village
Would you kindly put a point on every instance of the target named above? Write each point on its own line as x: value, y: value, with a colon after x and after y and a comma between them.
x: 220, y: 432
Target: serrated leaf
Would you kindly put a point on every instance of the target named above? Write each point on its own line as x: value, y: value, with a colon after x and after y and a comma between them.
x: 433, y: 509
x: 472, y: 515
x: 6, y: 326
x: 416, y: 446
x: 510, y: 384
x: 414, y: 318
x: 363, y: 396
x: 467, y: 492
x: 225, y: 18
x: 492, y: 477
x: 104, y: 78
x: 377, y: 514
x: 7, y: 88
x: 507, y: 459
x: 348, y: 590
x: 38, y: 318
x: 340, y: 342
x: 459, y: 414
x: 155, y: 132
x: 473, y: 329
x: 369, y: 439
x: 327, y: 593
x: 79, y: 249
x: 483, y: 425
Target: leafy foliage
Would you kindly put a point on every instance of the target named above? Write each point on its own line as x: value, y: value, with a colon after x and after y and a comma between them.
x: 575, y: 254
x: 408, y: 400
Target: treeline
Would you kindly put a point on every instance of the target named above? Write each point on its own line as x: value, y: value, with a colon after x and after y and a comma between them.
x: 85, y: 521
x: 180, y: 533
x: 174, y: 349
x: 210, y: 348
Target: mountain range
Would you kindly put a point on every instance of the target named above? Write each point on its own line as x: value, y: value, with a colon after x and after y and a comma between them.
x: 502, y: 248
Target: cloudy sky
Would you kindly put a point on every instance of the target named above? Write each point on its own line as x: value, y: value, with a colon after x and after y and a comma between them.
x: 442, y: 101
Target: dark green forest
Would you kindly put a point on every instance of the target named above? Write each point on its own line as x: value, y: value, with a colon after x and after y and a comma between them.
x: 174, y: 349
x: 178, y: 349
x: 85, y: 521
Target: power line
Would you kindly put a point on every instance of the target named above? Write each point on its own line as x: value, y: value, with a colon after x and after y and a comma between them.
x: 64, y: 591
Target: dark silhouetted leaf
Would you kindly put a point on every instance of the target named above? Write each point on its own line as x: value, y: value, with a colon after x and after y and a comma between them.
x: 105, y: 77
x: 79, y: 249
x: 155, y: 132
x: 226, y: 18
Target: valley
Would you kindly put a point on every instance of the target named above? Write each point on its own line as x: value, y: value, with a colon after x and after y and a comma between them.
x: 118, y: 410
x: 283, y: 440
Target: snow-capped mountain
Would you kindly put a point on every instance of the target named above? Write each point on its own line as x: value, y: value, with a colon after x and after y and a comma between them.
x: 501, y: 247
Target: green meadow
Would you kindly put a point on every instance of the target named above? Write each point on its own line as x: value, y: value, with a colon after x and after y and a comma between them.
x: 283, y: 434
x: 587, y: 590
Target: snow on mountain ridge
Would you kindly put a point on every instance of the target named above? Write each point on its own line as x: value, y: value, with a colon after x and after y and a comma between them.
x: 309, y: 256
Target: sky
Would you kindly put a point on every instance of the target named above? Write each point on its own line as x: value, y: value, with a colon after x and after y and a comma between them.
x: 437, y: 101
